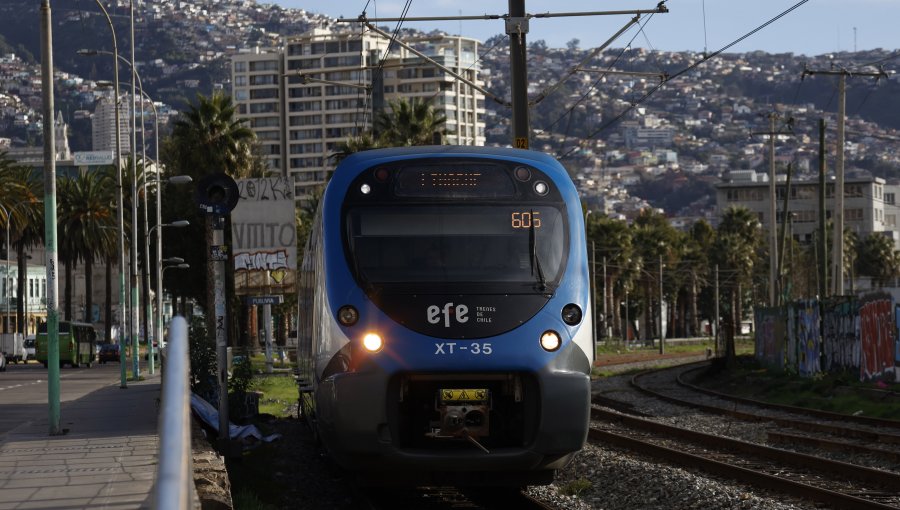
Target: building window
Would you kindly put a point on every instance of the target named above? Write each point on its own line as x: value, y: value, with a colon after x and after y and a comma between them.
x: 264, y: 122
x: 265, y: 65
x: 854, y: 214
x: 263, y: 79
x: 241, y: 95
x: 240, y: 67
x: 240, y: 81
x: 306, y: 106
x: 889, y: 198
x: 306, y: 120
x: 263, y: 107
x: 264, y: 94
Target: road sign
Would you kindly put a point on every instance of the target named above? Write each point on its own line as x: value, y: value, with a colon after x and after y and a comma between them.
x: 265, y: 300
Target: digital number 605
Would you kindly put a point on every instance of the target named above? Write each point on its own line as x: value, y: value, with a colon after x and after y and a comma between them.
x: 526, y: 219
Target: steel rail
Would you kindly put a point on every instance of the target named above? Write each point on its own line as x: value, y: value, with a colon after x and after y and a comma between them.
x: 719, y: 468
x: 784, y: 422
x: 865, y: 420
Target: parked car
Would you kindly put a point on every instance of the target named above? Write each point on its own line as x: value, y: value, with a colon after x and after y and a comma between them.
x: 108, y: 352
x: 29, y: 346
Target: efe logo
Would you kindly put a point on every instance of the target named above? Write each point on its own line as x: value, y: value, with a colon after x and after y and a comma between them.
x: 458, y: 312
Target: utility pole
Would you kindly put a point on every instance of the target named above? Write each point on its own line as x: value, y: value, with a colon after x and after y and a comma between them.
x: 716, y: 322
x: 662, y: 332
x: 822, y: 245
x: 50, y: 219
x: 838, y: 214
x: 516, y: 28
x: 773, y: 235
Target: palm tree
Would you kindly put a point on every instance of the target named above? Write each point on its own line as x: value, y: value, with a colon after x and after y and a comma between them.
x: 87, y: 221
x: 208, y: 138
x: 734, y: 251
x: 655, y: 241
x: 408, y: 123
x: 611, y: 239
x: 23, y: 186
x: 698, y: 246
x: 877, y: 259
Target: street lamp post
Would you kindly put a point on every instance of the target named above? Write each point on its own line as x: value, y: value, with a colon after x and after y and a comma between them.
x: 119, y: 199
x: 179, y: 264
x: 157, y: 333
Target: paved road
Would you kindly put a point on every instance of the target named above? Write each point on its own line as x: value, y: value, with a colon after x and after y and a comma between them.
x: 108, y: 455
x: 23, y: 391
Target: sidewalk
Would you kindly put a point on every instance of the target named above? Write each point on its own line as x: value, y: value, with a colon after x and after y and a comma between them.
x: 106, y: 460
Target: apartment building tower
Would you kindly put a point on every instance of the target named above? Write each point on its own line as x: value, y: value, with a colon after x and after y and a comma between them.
x: 305, y: 99
x: 864, y: 203
x: 103, y: 124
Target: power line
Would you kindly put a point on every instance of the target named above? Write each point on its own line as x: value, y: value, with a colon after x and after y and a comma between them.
x: 685, y: 70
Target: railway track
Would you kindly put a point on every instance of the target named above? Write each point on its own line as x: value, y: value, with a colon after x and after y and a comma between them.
x: 813, y: 478
x: 873, y: 438
x: 443, y: 498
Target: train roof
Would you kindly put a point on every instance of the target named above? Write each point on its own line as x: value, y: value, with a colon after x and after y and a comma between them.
x: 445, y: 151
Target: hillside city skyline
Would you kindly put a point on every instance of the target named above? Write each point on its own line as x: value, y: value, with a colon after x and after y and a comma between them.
x: 814, y: 28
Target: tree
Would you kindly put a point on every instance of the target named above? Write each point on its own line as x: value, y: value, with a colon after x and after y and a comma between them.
x: 698, y: 245
x: 23, y: 187
x: 610, y: 240
x: 734, y: 251
x: 877, y: 259
x: 409, y: 123
x: 87, y: 222
x: 206, y: 138
x: 655, y: 241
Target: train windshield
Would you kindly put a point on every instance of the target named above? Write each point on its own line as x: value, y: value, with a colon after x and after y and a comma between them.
x: 509, y: 245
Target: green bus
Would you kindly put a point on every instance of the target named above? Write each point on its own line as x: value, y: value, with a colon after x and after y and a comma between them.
x: 77, y: 344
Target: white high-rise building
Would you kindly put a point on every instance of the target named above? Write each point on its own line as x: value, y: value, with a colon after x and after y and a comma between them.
x: 321, y: 88
x: 103, y: 123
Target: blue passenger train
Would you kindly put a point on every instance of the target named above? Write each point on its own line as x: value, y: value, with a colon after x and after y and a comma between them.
x: 445, y: 317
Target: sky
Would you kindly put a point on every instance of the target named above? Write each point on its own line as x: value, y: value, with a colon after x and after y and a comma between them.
x: 817, y: 27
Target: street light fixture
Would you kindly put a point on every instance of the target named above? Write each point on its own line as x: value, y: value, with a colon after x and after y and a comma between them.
x: 177, y: 224
x: 176, y: 179
x: 136, y: 78
x: 179, y: 264
x: 119, y: 199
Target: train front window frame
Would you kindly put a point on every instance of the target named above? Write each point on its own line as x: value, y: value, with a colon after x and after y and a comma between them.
x: 468, y: 243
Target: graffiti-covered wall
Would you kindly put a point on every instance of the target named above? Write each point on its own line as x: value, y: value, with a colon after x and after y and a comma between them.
x: 840, y: 334
x: 770, y: 333
x: 877, y: 332
x: 807, y: 337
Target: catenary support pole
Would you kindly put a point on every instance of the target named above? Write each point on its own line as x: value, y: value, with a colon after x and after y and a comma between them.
x: 822, y: 245
x: 516, y: 29
x: 50, y: 218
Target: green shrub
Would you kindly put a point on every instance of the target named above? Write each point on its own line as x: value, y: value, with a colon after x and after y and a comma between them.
x: 202, y: 351
x: 575, y: 487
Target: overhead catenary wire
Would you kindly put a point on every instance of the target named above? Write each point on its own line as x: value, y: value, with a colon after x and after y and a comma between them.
x: 686, y: 70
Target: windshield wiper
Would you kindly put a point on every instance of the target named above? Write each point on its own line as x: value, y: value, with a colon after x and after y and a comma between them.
x: 535, y: 259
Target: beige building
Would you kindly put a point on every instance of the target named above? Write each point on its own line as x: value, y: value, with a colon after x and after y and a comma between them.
x: 307, y: 98
x: 864, y: 202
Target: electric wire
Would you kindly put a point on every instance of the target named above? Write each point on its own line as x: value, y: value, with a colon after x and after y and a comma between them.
x: 686, y: 70
x: 594, y: 86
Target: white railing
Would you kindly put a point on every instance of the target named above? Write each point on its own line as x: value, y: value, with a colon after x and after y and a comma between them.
x: 174, y: 488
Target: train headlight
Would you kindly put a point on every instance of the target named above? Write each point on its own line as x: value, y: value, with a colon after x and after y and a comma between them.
x: 571, y: 314
x: 541, y: 188
x: 365, y: 189
x: 373, y: 342
x: 550, y: 341
x: 347, y: 315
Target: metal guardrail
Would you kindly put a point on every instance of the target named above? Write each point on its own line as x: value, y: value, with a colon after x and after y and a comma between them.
x: 174, y: 488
